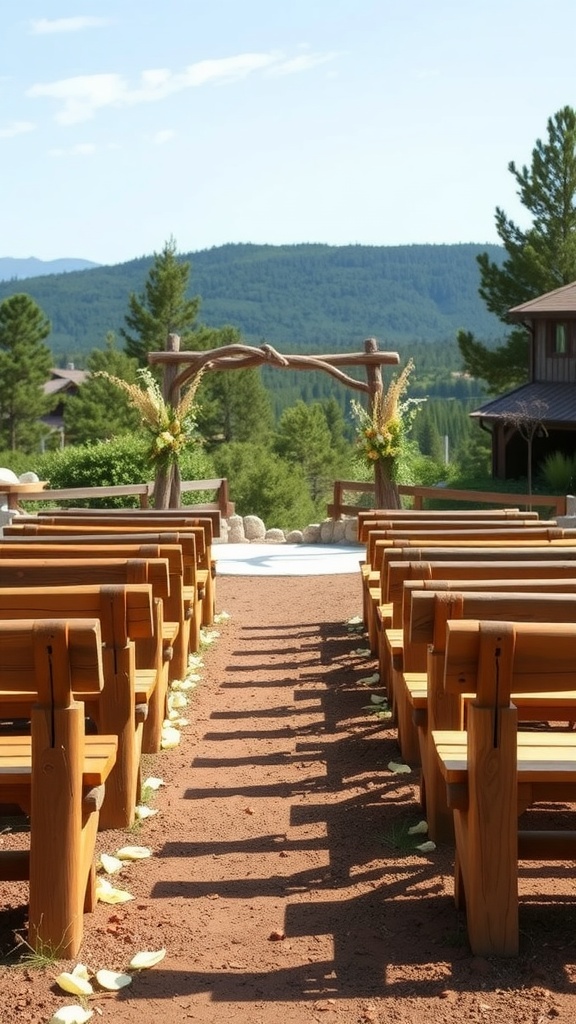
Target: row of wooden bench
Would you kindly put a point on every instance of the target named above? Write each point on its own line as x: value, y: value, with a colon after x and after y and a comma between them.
x: 99, y: 613
x: 473, y: 619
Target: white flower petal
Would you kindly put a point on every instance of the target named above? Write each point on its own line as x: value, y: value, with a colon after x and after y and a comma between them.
x: 399, y: 769
x: 106, y: 893
x: 141, y: 811
x: 133, y: 853
x: 177, y: 700
x: 152, y: 783
x: 110, y: 864
x: 74, y: 984
x: 170, y: 738
x: 369, y: 680
x: 147, y: 958
x: 221, y: 617
x: 74, y: 1014
x: 112, y: 980
x: 420, y: 829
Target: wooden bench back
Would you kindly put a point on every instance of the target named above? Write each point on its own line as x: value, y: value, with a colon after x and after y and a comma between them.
x: 124, y: 611
x: 51, y: 659
x: 190, y: 537
x: 494, y: 659
x: 416, y: 623
x: 42, y: 572
x: 143, y: 515
x: 368, y: 516
x: 431, y: 611
x: 202, y: 528
x: 508, y: 536
x: 438, y: 530
x: 420, y: 563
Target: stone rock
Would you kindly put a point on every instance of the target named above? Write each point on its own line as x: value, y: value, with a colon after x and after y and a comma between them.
x: 275, y: 536
x: 236, y: 530
x: 338, y: 531
x: 351, y: 530
x: 7, y: 476
x: 311, y: 533
x: 327, y: 531
x: 29, y: 478
x: 254, y: 528
x: 294, y: 537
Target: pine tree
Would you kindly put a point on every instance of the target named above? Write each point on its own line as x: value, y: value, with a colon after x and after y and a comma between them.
x: 99, y: 411
x: 162, y: 308
x: 25, y: 364
x: 539, y: 259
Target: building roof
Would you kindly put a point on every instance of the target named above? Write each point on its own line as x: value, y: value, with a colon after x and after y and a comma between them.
x: 64, y: 380
x: 561, y: 300
x: 552, y: 403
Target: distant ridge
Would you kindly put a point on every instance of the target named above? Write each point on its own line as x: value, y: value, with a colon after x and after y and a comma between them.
x: 306, y: 298
x: 16, y: 269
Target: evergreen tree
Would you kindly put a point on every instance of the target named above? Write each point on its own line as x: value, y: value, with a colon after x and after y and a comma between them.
x: 539, y: 259
x: 25, y: 364
x: 234, y: 404
x: 100, y: 411
x: 162, y: 309
x: 303, y: 438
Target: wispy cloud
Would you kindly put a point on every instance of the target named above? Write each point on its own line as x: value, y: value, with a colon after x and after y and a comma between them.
x: 16, y: 128
x: 79, y: 149
x: 81, y: 97
x: 48, y: 26
x: 163, y: 136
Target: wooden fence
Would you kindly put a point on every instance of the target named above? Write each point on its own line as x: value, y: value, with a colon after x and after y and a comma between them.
x: 419, y: 495
x: 16, y: 493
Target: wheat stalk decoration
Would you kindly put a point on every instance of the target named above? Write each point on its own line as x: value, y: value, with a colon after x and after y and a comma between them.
x: 172, y: 428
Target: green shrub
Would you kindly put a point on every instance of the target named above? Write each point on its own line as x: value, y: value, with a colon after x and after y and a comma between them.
x: 122, y: 460
x: 558, y: 473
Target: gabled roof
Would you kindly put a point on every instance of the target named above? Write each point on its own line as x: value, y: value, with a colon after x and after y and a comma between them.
x: 561, y: 300
x: 555, y: 403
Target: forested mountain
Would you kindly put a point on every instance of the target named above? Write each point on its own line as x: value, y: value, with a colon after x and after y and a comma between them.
x: 23, y: 268
x: 299, y: 297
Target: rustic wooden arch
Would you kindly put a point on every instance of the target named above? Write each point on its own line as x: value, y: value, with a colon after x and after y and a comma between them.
x: 180, y: 367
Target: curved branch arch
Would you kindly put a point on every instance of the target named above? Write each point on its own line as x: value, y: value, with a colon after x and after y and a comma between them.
x: 244, y: 357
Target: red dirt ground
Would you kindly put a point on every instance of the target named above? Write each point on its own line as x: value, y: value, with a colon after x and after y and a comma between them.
x: 281, y: 884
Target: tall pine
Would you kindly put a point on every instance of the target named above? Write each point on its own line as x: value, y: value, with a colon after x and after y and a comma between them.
x: 538, y: 259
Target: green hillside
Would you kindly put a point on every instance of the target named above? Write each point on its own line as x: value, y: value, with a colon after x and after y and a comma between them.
x: 299, y: 297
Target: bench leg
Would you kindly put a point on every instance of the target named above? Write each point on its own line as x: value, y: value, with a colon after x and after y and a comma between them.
x: 57, y: 851
x: 487, y: 834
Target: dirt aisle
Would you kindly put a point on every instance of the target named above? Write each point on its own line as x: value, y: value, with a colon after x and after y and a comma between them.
x: 282, y: 882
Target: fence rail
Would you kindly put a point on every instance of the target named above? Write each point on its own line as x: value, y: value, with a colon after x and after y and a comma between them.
x: 419, y: 495
x: 143, y: 492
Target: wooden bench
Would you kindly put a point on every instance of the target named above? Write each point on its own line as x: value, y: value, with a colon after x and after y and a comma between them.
x: 143, y: 514
x: 382, y: 603
x: 457, y: 564
x: 191, y: 539
x: 493, y: 772
x: 367, y: 516
x: 421, y: 702
x: 381, y: 533
x: 126, y: 615
x: 178, y: 609
x: 57, y: 775
x: 152, y: 655
x: 206, y: 527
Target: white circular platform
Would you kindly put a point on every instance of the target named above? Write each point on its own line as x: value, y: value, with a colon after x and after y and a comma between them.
x: 287, y: 559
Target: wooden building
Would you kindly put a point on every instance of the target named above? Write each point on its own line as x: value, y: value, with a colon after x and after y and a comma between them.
x: 539, y: 417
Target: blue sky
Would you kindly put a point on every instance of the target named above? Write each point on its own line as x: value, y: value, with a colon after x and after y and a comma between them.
x: 125, y: 123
